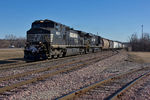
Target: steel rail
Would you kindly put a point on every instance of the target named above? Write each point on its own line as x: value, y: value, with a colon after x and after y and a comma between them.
x: 30, y: 63
x: 15, y: 65
x: 41, y: 70
x: 44, y: 76
x: 83, y: 90
x: 120, y: 93
x: 7, y: 64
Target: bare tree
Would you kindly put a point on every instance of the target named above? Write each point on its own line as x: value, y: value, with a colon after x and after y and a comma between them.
x: 10, y: 37
x: 4, y: 43
x: 20, y: 42
x: 134, y: 41
x: 145, y: 42
x: 140, y: 44
x: 12, y: 40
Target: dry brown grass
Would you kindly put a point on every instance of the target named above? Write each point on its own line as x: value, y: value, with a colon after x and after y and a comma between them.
x: 13, y: 53
x: 141, y: 57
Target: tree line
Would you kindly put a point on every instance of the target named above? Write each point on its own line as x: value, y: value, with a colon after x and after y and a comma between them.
x: 140, y: 43
x: 12, y: 41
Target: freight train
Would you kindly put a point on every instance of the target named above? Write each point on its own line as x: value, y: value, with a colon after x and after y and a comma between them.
x: 48, y: 39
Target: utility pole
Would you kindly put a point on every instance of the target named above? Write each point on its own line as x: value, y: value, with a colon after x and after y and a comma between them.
x: 142, y: 30
x: 97, y: 34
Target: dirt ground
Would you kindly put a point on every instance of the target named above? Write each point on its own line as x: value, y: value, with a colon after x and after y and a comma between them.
x: 141, y: 57
x: 11, y: 55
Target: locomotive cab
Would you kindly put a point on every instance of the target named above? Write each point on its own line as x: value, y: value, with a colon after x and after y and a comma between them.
x: 48, y: 39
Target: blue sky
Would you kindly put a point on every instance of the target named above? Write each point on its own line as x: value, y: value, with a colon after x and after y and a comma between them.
x: 113, y: 19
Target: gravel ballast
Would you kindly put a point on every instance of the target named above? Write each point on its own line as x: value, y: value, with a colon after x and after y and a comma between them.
x: 64, y: 83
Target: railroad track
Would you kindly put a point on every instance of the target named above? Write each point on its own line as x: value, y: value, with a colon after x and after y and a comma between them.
x: 56, y: 70
x: 3, y: 66
x: 23, y: 63
x: 120, y: 93
x: 111, y: 88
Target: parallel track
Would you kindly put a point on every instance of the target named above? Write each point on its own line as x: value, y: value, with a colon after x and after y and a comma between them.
x: 37, y: 71
x: 107, y: 84
x: 79, y: 63
x: 120, y: 93
x: 23, y: 63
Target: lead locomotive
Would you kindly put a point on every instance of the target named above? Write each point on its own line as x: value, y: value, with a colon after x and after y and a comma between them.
x: 49, y: 39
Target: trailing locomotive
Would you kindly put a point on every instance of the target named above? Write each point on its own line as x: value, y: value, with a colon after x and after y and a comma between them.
x: 49, y: 39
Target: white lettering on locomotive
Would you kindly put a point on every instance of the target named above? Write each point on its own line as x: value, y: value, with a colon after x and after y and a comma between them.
x: 51, y: 39
x: 73, y: 35
x: 57, y: 33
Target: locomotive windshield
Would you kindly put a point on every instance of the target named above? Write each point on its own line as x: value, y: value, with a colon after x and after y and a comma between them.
x: 43, y: 24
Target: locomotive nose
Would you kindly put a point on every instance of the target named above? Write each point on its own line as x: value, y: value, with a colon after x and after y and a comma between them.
x: 33, y: 49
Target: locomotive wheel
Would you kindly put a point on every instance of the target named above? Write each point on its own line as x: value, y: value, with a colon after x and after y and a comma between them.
x: 93, y: 50
x: 50, y: 57
x: 81, y: 51
x: 100, y: 50
x: 61, y: 54
x: 64, y: 54
x: 55, y: 56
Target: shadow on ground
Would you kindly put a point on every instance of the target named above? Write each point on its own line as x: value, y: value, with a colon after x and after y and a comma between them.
x: 13, y: 60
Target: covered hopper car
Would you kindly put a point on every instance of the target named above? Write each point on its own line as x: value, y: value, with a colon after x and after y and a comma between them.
x: 105, y: 43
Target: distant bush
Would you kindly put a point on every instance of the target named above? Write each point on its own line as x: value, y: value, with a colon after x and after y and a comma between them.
x: 12, y: 40
x: 4, y: 43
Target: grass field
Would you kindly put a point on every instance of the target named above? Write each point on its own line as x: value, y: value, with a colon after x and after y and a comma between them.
x: 11, y: 55
x: 141, y: 57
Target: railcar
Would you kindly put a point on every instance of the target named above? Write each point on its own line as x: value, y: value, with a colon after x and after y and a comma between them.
x: 119, y: 45
x: 111, y: 44
x: 105, y: 44
x: 115, y: 45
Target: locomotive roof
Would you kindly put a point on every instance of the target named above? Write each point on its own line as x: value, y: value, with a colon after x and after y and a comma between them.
x: 46, y: 20
x: 32, y: 30
x: 41, y: 21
